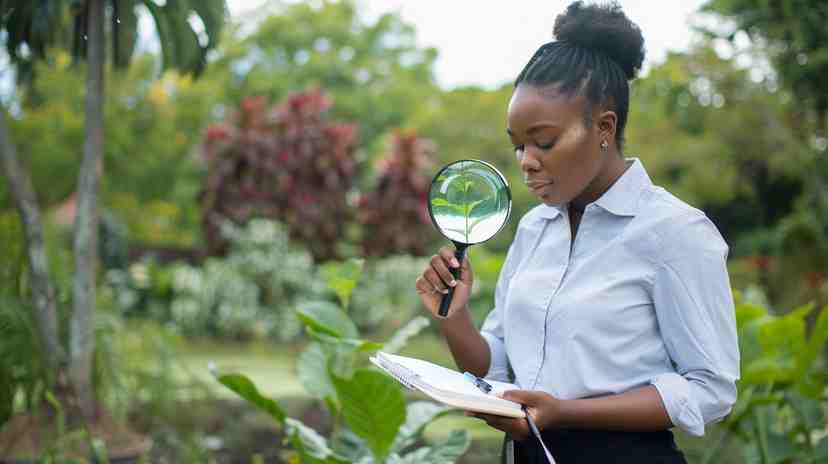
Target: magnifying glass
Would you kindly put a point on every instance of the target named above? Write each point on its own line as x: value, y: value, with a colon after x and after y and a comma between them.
x: 469, y: 202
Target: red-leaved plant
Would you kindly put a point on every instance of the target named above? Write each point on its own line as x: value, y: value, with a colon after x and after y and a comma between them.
x: 394, y: 215
x: 286, y: 163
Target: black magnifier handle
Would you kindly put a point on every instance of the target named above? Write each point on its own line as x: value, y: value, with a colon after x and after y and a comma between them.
x: 460, y: 254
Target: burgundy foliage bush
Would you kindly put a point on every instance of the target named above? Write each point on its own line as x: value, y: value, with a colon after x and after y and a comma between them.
x: 287, y: 163
x: 394, y: 215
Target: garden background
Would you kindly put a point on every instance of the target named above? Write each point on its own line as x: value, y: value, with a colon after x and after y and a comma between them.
x: 250, y: 204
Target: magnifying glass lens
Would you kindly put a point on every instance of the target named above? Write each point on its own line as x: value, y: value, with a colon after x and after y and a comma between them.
x: 469, y: 202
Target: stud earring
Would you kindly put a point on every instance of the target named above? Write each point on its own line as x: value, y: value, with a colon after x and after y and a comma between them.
x: 604, y: 145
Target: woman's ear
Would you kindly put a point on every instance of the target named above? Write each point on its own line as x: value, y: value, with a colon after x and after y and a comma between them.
x: 607, y: 123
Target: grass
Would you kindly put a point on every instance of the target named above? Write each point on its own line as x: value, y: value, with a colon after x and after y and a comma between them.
x: 271, y: 367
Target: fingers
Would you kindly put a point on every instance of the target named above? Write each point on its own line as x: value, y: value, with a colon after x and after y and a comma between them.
x: 525, y: 397
x: 438, y: 273
x: 516, y: 428
x: 424, y: 287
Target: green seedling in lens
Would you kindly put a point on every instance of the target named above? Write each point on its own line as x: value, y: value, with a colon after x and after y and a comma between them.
x: 465, y: 208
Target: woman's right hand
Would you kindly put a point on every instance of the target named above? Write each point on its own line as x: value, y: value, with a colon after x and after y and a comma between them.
x: 437, y: 278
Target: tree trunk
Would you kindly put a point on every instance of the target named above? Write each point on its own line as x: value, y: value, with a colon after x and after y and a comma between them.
x: 43, y: 294
x: 81, y: 327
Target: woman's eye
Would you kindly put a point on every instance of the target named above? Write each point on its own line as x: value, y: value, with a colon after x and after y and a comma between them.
x: 519, y: 151
x: 546, y: 146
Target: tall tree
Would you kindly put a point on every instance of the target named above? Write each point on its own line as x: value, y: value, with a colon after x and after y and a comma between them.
x: 793, y: 36
x: 31, y: 28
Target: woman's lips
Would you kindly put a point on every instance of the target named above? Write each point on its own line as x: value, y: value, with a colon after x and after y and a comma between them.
x: 538, y: 188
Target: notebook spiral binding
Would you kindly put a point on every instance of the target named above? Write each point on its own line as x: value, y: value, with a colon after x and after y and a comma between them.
x: 402, y: 374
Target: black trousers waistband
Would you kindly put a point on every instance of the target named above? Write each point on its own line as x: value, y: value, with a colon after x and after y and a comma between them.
x: 600, y: 446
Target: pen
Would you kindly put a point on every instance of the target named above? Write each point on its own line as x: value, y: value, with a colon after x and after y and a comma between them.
x: 484, y: 386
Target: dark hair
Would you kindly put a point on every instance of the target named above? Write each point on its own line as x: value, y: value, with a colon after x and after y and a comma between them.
x: 596, y: 52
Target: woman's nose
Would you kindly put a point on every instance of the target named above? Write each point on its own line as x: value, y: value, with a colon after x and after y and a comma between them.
x: 528, y: 161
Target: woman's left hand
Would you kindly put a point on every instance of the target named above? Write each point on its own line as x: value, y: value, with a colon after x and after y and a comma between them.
x: 545, y: 409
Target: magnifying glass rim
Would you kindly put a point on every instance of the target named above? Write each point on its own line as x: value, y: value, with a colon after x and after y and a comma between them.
x: 502, y: 178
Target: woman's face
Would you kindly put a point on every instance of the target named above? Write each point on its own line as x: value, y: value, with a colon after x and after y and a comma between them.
x: 560, y: 157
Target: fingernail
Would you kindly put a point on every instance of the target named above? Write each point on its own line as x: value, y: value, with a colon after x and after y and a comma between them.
x: 454, y: 262
x: 453, y: 283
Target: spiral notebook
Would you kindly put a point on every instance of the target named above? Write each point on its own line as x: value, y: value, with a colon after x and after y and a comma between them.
x: 447, y: 386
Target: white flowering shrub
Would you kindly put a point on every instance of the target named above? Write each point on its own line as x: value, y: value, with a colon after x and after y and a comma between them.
x: 252, y: 292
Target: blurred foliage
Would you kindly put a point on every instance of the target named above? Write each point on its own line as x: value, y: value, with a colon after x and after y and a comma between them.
x: 743, y: 143
x: 289, y: 163
x: 470, y: 123
x: 394, y: 211
x: 372, y: 69
x: 249, y: 293
x: 152, y: 126
x: 779, y: 415
x: 792, y: 35
x: 732, y: 150
x: 372, y: 423
x: 32, y: 28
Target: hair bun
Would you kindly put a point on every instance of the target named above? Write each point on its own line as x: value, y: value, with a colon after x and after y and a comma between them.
x: 604, y: 28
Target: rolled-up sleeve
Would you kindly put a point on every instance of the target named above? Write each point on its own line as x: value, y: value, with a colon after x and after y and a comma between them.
x: 696, y: 317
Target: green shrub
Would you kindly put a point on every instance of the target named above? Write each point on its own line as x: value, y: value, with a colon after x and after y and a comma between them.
x: 372, y: 423
x: 247, y: 294
x: 779, y: 416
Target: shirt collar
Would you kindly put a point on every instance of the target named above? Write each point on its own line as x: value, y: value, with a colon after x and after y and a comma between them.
x: 620, y: 199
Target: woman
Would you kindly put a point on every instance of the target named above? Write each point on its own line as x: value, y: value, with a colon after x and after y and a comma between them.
x: 613, y: 311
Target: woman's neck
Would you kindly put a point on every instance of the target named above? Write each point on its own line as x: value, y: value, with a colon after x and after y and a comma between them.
x: 612, y: 170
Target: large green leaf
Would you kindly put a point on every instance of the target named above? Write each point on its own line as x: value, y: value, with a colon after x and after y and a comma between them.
x: 245, y: 388
x: 373, y: 407
x: 312, y: 369
x: 344, y: 344
x: 816, y: 342
x: 312, y: 447
x: 327, y: 318
x: 342, y: 278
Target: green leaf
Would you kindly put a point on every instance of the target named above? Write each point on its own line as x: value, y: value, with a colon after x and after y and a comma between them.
x: 780, y: 449
x: 821, y: 449
x: 312, y: 447
x: 327, y: 318
x: 816, y: 343
x: 312, y: 369
x: 418, y: 416
x: 373, y: 407
x: 242, y: 386
x: 342, y: 278
x: 769, y: 369
x: 344, y: 344
x: 401, y: 336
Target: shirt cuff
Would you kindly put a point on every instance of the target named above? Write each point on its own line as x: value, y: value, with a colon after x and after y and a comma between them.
x: 678, y: 400
x: 499, y: 362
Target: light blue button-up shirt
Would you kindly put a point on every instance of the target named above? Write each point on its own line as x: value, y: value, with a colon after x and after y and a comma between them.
x: 641, y: 297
